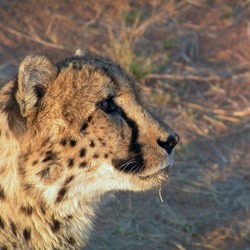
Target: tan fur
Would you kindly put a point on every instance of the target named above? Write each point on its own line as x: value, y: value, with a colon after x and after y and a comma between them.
x: 62, y: 149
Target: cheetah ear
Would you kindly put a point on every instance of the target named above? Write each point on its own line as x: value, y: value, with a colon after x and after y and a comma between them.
x: 34, y: 74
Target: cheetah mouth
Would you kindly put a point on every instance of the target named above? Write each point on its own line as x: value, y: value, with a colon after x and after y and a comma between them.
x: 160, y: 173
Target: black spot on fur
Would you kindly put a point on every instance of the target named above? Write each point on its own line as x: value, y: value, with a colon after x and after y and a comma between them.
x: 72, y: 142
x: 2, y: 225
x: 102, y: 141
x: 82, y: 152
x: 48, y: 158
x: 71, y: 241
x: 13, y: 227
x: 90, y: 118
x: 43, y: 208
x: 26, y: 234
x: 63, y: 142
x: 83, y: 164
x: 34, y: 162
x: 92, y: 144
x: 2, y: 193
x: 26, y: 209
x: 55, y: 226
x: 95, y: 156
x: 84, y: 127
x: 50, y: 155
x: 70, y: 163
x: 44, y: 173
x: 69, y: 179
x: 106, y: 156
x: 61, y: 194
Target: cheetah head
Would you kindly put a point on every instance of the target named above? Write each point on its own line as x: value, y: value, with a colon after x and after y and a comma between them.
x: 83, y: 130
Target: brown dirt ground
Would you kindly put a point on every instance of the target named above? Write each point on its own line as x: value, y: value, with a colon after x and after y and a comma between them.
x: 199, y: 85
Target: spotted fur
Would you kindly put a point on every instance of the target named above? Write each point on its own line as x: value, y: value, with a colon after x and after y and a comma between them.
x: 70, y: 133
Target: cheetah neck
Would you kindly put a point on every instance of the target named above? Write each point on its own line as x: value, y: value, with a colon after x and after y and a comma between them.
x: 23, y: 216
x: 60, y: 227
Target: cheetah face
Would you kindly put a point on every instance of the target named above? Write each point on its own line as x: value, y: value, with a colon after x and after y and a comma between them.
x: 83, y: 128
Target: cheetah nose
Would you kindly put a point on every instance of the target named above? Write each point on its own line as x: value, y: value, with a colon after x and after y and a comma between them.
x: 170, y: 143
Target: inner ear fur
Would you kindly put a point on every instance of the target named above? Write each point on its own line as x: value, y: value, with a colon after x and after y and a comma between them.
x: 34, y: 74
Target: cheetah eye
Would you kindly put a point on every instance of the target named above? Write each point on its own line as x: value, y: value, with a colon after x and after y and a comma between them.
x: 108, y: 105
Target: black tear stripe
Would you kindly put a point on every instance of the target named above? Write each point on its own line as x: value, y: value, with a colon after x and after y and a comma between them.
x: 135, y: 163
x: 26, y: 234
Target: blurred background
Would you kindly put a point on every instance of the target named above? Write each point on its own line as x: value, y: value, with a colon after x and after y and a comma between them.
x: 191, y: 59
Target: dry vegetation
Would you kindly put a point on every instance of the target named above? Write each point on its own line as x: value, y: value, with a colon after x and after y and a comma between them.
x: 192, y: 60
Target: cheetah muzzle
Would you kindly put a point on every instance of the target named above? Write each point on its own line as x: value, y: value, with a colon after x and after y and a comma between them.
x: 69, y: 133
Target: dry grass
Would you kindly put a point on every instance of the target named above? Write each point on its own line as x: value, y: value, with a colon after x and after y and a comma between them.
x: 124, y: 38
x: 194, y: 81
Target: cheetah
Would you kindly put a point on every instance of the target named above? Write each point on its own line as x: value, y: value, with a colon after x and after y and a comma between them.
x: 70, y: 133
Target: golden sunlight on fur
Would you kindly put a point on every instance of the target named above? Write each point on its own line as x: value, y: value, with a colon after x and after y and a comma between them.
x: 69, y: 133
